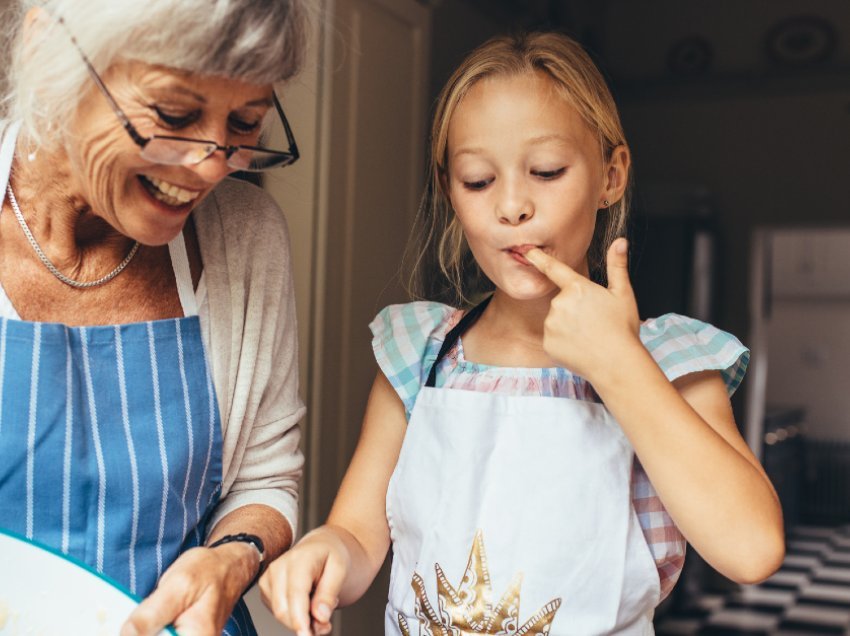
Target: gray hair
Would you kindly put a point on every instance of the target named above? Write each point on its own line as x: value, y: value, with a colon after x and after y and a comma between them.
x: 257, y: 41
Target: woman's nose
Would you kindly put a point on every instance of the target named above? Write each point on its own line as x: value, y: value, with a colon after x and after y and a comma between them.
x: 212, y: 169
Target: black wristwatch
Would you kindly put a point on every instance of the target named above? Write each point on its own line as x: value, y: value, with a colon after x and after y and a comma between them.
x: 244, y: 537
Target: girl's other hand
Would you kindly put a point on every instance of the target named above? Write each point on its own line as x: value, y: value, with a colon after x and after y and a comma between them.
x: 301, y: 588
x: 589, y: 327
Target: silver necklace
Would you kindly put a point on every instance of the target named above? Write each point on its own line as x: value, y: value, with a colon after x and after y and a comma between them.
x: 51, y: 267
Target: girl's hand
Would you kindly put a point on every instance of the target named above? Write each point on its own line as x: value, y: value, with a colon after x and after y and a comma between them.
x: 301, y: 588
x: 589, y: 328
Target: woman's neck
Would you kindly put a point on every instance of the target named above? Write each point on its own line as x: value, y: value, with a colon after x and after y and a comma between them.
x: 56, y: 212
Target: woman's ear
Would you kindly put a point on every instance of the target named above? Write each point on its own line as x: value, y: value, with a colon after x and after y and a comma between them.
x: 617, y: 174
x: 34, y: 22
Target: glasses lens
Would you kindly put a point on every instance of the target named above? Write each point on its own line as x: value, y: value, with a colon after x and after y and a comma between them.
x: 177, y: 152
x: 254, y: 160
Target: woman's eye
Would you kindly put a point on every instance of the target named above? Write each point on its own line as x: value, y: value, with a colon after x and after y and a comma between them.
x: 477, y: 185
x: 549, y: 174
x: 176, y: 120
x: 242, y: 127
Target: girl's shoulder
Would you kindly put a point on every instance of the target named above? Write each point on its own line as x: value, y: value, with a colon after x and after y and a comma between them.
x: 406, y: 339
x: 682, y: 345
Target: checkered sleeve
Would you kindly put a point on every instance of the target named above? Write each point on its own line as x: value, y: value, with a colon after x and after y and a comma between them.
x: 666, y: 543
x: 682, y: 345
x: 404, y: 337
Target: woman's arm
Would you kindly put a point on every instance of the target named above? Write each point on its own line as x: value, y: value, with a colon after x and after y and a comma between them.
x: 336, y: 563
x: 683, y: 432
x: 198, y: 592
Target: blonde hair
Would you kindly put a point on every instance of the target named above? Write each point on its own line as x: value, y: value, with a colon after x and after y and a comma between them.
x: 440, y: 262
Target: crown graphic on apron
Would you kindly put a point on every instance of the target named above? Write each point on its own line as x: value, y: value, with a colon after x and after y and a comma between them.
x: 470, y: 610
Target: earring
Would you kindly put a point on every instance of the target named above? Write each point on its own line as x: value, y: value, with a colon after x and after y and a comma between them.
x: 606, y: 203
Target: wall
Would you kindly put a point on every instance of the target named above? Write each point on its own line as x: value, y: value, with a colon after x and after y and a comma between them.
x: 770, y: 143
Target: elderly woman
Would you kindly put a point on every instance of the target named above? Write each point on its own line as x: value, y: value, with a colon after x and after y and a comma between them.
x: 148, y: 378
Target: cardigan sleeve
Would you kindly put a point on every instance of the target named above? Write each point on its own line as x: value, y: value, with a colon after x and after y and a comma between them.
x: 254, y: 339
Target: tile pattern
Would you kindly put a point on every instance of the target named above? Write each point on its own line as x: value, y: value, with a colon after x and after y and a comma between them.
x: 809, y: 595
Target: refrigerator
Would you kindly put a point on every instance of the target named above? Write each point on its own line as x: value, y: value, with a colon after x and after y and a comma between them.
x: 798, y: 400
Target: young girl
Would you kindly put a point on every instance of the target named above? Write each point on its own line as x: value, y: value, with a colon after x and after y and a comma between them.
x: 538, y: 461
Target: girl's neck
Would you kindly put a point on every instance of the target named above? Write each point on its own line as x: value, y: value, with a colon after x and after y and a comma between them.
x: 509, y: 333
x: 523, y: 318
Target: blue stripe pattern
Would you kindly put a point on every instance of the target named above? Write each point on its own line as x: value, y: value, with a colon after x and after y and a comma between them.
x: 102, y: 431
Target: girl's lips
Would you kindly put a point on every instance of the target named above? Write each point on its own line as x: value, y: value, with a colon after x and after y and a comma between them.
x: 518, y: 252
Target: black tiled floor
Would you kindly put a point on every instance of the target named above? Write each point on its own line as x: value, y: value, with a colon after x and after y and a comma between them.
x: 809, y: 595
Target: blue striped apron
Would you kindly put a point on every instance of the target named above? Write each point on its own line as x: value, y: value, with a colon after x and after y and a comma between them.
x: 110, y: 444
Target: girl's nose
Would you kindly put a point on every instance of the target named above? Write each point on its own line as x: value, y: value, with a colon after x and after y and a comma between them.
x: 515, y: 212
x: 513, y: 205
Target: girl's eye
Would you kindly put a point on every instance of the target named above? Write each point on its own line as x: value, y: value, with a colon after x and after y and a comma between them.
x: 242, y: 127
x: 477, y: 185
x: 548, y: 175
x: 175, y: 121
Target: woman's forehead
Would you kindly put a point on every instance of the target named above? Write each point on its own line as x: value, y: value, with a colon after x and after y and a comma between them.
x: 193, y: 86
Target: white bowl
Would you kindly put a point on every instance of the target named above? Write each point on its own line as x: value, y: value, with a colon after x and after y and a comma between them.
x: 46, y: 593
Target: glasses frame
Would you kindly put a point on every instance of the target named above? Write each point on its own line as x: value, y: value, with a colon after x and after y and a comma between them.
x: 287, y: 158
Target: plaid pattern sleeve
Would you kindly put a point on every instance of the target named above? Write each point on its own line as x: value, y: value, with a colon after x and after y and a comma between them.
x: 682, y: 345
x: 665, y: 541
x: 404, y: 338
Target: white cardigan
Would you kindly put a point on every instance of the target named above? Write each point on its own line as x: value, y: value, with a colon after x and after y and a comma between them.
x: 244, y: 244
x: 253, y: 341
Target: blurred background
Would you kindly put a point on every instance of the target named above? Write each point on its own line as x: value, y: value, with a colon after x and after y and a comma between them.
x: 738, y: 116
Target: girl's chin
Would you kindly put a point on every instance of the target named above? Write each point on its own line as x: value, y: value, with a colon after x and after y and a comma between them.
x: 529, y: 292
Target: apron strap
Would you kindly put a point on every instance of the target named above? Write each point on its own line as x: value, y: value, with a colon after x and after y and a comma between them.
x: 454, y: 335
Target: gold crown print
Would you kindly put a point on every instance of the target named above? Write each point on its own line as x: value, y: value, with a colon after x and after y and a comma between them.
x: 469, y: 609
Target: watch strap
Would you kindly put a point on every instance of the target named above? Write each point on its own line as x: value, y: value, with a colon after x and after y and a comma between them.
x: 244, y: 537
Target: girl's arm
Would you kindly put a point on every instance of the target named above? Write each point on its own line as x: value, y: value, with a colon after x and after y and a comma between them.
x: 709, y: 481
x: 683, y: 432
x: 335, y: 563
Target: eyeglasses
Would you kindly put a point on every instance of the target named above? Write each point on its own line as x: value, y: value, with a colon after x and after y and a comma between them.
x: 175, y: 151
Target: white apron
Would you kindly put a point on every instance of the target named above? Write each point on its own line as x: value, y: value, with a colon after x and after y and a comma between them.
x: 512, y: 515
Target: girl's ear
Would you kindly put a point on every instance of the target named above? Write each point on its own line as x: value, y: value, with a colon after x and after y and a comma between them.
x: 617, y: 174
x: 443, y: 176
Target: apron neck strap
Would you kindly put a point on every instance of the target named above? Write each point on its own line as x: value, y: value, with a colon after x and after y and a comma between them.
x: 454, y: 335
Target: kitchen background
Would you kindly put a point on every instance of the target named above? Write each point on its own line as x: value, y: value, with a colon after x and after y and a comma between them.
x: 738, y: 116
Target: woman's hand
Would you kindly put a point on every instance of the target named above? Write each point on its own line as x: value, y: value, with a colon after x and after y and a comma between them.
x: 301, y: 588
x: 197, y: 593
x: 589, y: 328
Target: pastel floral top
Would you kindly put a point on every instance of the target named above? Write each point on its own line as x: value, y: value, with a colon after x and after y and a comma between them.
x: 407, y: 338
